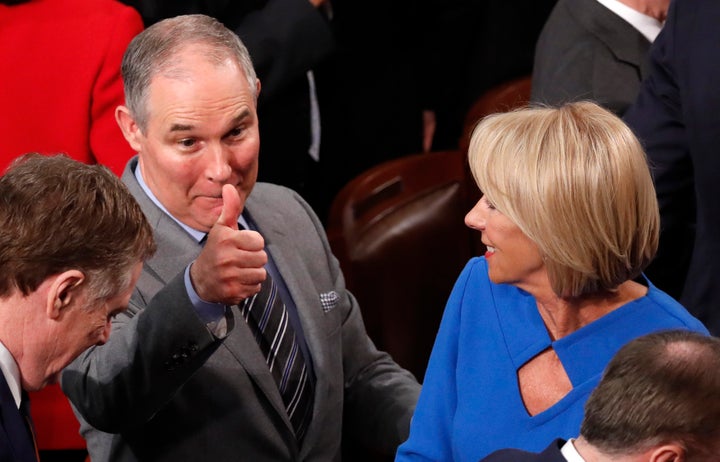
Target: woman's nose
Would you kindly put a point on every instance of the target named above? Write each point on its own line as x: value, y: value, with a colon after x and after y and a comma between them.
x: 475, y: 218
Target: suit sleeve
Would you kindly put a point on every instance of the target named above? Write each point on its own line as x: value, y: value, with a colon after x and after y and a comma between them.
x: 568, y: 78
x: 153, y: 350
x: 107, y: 144
x: 657, y: 119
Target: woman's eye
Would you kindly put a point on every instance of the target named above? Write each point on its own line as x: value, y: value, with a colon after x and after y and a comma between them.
x: 488, y: 204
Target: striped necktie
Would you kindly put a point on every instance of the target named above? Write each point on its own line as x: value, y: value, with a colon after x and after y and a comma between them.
x: 268, y: 319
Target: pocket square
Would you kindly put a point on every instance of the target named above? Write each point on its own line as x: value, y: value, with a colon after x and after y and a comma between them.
x: 329, y: 300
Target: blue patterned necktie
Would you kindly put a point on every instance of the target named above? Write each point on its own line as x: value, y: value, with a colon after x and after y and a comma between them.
x: 268, y: 319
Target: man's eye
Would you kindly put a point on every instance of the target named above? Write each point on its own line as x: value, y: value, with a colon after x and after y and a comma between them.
x: 187, y: 143
x: 235, y: 132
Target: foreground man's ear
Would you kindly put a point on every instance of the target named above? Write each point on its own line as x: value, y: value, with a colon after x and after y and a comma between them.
x: 63, y: 292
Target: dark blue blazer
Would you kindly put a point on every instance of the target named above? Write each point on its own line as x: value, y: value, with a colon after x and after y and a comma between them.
x: 16, y: 443
x: 550, y: 454
x: 677, y: 117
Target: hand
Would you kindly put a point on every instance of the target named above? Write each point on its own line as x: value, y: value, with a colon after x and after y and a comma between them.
x: 317, y: 3
x: 230, y: 267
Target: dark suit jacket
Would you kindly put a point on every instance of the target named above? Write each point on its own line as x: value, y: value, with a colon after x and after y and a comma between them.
x: 16, y: 444
x: 550, y: 454
x: 677, y: 117
x: 169, y: 390
x: 586, y: 51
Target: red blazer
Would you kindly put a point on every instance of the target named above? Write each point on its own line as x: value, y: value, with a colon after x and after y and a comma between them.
x: 60, y: 79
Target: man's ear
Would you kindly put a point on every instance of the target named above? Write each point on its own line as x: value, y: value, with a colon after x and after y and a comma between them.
x: 257, y: 90
x: 668, y: 453
x: 130, y: 129
x: 63, y: 292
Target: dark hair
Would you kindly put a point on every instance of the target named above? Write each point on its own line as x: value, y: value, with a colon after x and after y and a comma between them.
x: 662, y: 387
x: 57, y: 214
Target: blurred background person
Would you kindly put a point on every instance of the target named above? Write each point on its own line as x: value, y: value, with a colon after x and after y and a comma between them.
x: 470, y: 47
x: 658, y: 401
x: 676, y: 118
x: 61, y: 80
x: 570, y: 219
x: 72, y: 243
x: 596, y: 50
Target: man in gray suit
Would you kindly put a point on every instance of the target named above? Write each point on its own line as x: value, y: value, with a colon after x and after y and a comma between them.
x: 595, y: 50
x: 241, y: 341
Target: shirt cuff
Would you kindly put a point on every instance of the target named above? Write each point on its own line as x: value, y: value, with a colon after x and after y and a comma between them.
x: 210, y: 313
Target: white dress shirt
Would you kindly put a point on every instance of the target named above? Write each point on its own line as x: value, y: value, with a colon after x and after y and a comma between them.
x: 646, y: 25
x: 570, y: 452
x: 11, y: 372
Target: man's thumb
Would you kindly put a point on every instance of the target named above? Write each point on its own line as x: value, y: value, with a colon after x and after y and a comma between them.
x: 231, y: 207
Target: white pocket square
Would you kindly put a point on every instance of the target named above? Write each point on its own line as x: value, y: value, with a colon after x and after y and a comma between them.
x: 329, y: 300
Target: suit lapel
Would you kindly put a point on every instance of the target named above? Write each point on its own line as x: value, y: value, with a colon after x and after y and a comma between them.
x: 289, y: 262
x: 241, y: 344
x: 281, y: 246
x: 14, y: 427
x: 176, y: 248
x: 626, y: 42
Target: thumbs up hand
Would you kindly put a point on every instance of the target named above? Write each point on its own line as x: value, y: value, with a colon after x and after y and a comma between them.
x: 230, y: 267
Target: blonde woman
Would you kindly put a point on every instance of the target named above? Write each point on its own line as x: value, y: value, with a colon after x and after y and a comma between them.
x: 570, y: 220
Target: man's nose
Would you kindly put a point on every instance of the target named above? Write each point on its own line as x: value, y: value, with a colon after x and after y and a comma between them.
x: 218, y: 163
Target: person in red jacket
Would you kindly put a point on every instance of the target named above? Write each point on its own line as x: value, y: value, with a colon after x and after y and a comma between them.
x: 60, y: 81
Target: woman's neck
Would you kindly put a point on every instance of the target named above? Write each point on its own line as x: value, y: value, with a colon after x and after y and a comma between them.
x: 563, y: 316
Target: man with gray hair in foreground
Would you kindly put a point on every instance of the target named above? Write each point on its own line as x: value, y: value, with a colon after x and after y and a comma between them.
x: 658, y: 401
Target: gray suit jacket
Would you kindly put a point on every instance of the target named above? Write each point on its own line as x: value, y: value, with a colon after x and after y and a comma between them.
x: 587, y: 52
x: 164, y: 388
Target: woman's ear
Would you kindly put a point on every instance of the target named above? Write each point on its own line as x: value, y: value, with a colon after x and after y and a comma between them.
x: 64, y: 290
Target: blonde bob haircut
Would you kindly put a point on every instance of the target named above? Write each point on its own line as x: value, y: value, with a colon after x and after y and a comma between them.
x: 576, y: 181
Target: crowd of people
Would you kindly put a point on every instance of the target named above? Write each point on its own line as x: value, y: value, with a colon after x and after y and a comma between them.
x: 190, y: 305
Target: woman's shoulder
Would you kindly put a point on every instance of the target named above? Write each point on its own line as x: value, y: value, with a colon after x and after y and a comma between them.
x: 673, y: 310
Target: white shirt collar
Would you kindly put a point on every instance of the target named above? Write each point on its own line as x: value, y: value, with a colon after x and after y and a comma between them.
x: 11, y: 372
x: 646, y: 25
x: 570, y: 452
x: 197, y: 235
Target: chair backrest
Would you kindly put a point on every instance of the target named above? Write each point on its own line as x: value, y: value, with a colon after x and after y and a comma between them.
x: 502, y: 98
x: 398, y: 231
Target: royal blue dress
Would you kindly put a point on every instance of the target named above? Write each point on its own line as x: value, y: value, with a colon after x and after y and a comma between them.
x: 470, y: 404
